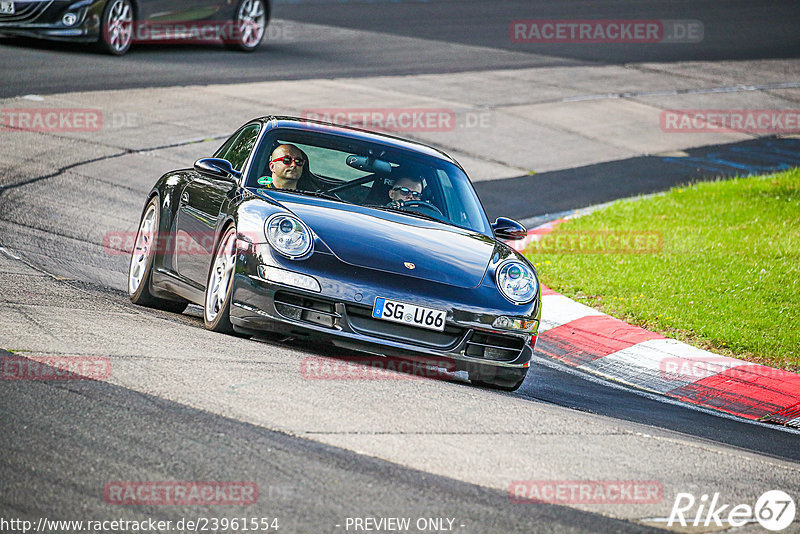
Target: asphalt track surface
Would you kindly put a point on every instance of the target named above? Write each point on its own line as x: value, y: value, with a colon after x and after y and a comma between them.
x: 54, y: 431
x: 400, y: 44
x: 97, y: 423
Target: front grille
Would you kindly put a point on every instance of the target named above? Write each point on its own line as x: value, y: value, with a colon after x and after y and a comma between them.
x: 494, y: 346
x: 361, y: 320
x: 25, y: 12
x: 306, y: 309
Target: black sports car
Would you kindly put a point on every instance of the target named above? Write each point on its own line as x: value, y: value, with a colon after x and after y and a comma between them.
x: 370, y: 241
x: 115, y: 24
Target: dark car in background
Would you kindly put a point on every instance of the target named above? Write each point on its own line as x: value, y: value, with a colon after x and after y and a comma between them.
x: 115, y: 24
x: 334, y: 258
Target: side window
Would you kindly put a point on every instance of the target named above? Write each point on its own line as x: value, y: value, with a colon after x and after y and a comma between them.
x: 238, y: 148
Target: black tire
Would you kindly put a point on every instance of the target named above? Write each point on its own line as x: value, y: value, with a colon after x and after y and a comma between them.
x: 116, y: 27
x: 142, y: 258
x: 494, y: 377
x: 216, y: 311
x: 249, y: 26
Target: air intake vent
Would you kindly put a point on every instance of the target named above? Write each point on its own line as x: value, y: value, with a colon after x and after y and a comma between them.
x: 361, y: 321
x: 305, y: 309
x: 494, y: 347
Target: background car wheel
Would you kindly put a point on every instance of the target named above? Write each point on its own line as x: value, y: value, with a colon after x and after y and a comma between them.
x: 141, y: 266
x: 219, y: 287
x: 116, y: 27
x: 494, y: 377
x: 252, y: 17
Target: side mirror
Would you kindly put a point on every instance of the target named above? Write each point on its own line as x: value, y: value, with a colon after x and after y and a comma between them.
x: 505, y: 228
x: 217, y: 168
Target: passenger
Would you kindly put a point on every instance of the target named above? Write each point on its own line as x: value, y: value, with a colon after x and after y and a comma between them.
x: 404, y: 190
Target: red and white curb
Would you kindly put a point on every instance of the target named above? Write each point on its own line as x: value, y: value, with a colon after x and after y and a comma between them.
x: 592, y: 341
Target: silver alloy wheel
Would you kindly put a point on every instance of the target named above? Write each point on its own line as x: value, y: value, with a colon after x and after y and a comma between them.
x: 220, y: 276
x: 141, y: 250
x: 119, y: 26
x: 252, y: 20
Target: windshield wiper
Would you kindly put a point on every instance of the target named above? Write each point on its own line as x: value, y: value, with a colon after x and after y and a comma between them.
x: 410, y: 212
x: 319, y: 194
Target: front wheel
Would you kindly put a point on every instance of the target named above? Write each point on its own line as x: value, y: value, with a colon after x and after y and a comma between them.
x: 116, y: 27
x: 252, y: 17
x: 219, y: 287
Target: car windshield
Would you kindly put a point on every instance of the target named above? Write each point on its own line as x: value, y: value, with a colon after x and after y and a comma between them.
x: 375, y: 175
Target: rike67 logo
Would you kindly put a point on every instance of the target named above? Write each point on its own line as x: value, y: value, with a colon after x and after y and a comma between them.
x: 774, y: 510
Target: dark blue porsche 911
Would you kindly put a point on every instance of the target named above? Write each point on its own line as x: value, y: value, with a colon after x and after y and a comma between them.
x: 376, y: 243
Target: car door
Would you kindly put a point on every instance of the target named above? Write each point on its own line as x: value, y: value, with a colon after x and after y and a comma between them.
x: 149, y: 11
x: 200, y: 203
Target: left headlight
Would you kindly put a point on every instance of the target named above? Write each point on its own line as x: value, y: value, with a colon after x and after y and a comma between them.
x: 288, y: 235
x: 516, y: 281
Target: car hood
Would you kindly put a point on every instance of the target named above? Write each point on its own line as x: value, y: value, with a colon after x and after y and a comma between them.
x: 397, y: 243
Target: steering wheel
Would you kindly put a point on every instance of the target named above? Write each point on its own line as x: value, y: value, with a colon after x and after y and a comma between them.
x: 423, y: 207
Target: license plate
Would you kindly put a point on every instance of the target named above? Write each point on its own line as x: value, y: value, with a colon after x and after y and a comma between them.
x: 410, y: 314
x: 7, y: 8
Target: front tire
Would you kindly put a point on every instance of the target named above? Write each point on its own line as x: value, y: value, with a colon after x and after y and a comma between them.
x: 140, y: 270
x: 219, y: 286
x: 116, y: 27
x: 252, y: 17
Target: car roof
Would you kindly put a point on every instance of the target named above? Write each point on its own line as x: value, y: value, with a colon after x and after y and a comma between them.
x: 278, y: 121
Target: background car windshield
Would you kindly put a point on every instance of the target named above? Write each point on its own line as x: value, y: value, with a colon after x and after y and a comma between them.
x: 363, y: 173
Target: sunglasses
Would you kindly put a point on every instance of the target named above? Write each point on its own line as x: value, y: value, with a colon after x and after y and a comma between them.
x: 406, y: 191
x: 287, y: 160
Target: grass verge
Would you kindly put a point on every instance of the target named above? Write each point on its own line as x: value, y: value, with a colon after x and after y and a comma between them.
x: 714, y: 264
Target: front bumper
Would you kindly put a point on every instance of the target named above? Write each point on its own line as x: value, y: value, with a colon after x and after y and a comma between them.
x: 341, y: 313
x: 43, y: 20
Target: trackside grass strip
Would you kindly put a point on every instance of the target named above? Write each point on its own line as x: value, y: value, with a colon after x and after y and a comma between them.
x: 714, y: 264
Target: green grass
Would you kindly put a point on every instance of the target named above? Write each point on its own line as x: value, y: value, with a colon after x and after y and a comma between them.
x: 727, y: 278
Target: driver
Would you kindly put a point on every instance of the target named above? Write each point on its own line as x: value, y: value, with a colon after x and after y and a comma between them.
x: 286, y: 163
x: 404, y: 190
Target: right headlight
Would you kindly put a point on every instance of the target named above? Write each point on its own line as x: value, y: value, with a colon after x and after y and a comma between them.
x: 288, y: 235
x: 516, y: 281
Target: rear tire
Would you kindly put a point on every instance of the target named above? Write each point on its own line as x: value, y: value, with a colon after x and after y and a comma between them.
x: 140, y: 270
x: 116, y: 27
x: 250, y: 24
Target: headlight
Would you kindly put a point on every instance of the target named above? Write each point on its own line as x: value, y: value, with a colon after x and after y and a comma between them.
x: 288, y: 235
x: 516, y: 282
